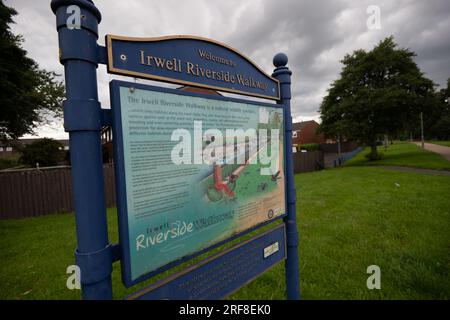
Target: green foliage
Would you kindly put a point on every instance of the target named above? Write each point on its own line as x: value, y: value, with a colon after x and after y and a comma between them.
x: 310, y: 146
x: 374, y: 156
x: 378, y: 93
x: 28, y: 95
x: 437, y: 119
x: 46, y: 152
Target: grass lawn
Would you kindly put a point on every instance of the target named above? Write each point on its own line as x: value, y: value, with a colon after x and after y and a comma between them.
x: 442, y: 143
x: 402, y: 154
x: 348, y: 219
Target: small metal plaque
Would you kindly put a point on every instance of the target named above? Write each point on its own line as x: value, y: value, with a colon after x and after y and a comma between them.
x: 273, y: 248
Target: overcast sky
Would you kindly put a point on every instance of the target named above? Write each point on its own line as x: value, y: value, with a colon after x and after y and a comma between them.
x: 314, y: 34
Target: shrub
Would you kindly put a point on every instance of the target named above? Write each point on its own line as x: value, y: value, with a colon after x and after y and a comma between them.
x: 6, y: 163
x: 371, y: 157
x: 310, y: 146
x: 46, y: 152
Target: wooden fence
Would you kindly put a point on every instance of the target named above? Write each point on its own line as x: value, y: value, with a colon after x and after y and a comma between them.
x: 308, y: 161
x: 36, y: 192
x: 333, y: 147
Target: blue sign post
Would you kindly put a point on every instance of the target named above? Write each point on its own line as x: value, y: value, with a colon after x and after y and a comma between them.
x: 83, y: 120
x: 184, y: 60
x: 283, y: 74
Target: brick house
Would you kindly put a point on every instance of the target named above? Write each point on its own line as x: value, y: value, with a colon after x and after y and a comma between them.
x: 306, y: 132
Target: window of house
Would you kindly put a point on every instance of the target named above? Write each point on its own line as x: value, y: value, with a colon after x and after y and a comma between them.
x: 294, y: 134
x: 1, y: 149
x: 66, y: 148
x: 9, y: 149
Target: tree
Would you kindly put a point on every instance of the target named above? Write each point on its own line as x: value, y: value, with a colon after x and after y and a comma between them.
x: 29, y: 96
x: 436, y: 118
x: 437, y: 123
x: 46, y: 152
x: 378, y: 92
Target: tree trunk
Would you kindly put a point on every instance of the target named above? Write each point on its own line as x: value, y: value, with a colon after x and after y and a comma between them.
x: 373, y: 151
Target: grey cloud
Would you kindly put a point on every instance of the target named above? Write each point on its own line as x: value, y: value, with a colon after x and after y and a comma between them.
x: 315, y: 34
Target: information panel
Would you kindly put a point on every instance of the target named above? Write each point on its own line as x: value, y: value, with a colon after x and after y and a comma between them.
x: 192, y: 170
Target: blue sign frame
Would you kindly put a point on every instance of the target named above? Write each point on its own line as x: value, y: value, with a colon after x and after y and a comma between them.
x: 84, y: 119
x: 179, y: 286
x: 119, y: 168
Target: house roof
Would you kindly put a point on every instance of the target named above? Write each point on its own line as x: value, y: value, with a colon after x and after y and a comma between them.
x: 300, y: 125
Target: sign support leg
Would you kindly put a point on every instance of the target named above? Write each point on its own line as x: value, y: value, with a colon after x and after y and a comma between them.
x: 82, y: 119
x: 283, y: 74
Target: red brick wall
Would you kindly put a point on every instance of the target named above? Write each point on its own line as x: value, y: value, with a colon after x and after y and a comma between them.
x: 308, y: 135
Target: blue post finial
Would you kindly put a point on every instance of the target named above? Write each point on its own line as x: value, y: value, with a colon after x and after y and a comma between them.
x: 280, y: 60
x: 85, y: 4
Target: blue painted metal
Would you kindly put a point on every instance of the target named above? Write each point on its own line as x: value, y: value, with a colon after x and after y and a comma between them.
x: 121, y: 185
x: 222, y: 274
x: 83, y: 120
x: 177, y: 59
x: 283, y: 74
x: 80, y: 55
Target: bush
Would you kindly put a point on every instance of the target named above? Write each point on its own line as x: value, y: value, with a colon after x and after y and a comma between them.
x: 378, y: 156
x: 46, y: 152
x: 310, y: 146
x: 6, y: 163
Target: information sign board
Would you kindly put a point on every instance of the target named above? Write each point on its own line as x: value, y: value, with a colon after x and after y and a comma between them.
x: 192, y: 170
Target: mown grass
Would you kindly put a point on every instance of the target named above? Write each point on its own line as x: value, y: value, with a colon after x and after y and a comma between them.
x: 439, y: 142
x: 348, y: 219
x: 402, y: 154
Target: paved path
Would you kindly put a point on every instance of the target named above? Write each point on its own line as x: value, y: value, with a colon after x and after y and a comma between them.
x: 328, y: 159
x: 442, y: 150
x: 418, y: 170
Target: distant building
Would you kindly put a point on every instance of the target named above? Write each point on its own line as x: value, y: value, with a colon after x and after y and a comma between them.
x: 107, y: 144
x: 306, y: 132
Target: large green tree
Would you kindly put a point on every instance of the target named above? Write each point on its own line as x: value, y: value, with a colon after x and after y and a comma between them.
x: 378, y: 92
x: 29, y: 95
